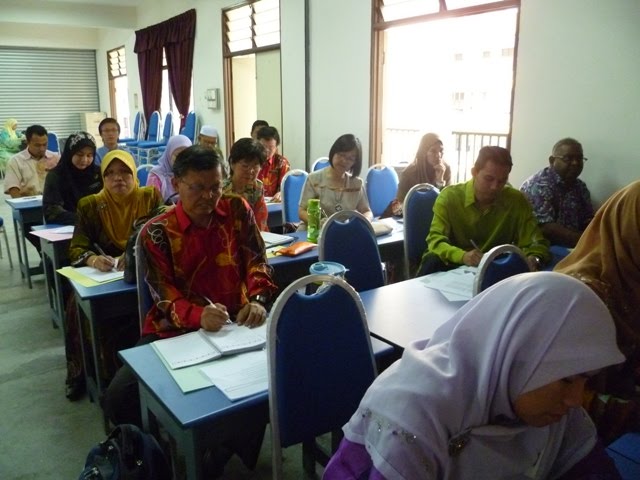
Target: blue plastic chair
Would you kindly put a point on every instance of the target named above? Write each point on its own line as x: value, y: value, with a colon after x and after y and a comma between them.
x: 143, y: 172
x: 497, y: 264
x: 3, y: 230
x: 320, y: 163
x: 153, y: 135
x: 138, y: 130
x: 189, y: 129
x: 291, y: 191
x: 625, y: 452
x: 145, y: 302
x: 52, y: 142
x: 348, y: 238
x: 320, y: 365
x: 147, y: 149
x: 418, y: 213
x: 382, y: 186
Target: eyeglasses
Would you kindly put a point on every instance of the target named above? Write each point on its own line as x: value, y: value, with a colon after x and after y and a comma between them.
x: 247, y: 166
x: 347, y: 157
x: 117, y: 173
x: 199, y: 189
x: 571, y: 158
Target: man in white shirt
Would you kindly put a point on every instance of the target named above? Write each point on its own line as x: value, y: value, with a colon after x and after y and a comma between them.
x: 27, y: 169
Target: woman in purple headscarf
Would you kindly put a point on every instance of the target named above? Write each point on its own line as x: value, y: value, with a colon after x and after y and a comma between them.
x: 160, y: 176
x: 496, y: 392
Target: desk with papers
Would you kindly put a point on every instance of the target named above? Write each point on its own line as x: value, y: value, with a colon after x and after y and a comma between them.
x: 25, y: 210
x: 54, y: 242
x: 101, y: 305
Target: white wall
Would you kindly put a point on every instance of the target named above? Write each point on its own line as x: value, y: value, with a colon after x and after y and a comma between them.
x: 340, y: 70
x: 577, y: 75
x: 244, y: 95
x: 47, y: 36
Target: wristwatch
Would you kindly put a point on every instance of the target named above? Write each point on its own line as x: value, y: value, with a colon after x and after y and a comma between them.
x: 261, y: 299
x: 538, y: 261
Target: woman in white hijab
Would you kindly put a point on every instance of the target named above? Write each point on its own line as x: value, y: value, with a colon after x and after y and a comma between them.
x: 495, y: 393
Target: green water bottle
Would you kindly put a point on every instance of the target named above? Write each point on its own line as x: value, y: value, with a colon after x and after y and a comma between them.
x: 313, y: 223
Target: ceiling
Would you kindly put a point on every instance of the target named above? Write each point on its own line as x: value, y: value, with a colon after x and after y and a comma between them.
x: 74, y: 13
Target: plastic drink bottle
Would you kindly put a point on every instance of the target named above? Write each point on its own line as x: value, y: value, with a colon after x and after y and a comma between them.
x: 313, y: 223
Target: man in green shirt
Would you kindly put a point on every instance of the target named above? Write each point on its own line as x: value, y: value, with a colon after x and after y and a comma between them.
x: 471, y: 218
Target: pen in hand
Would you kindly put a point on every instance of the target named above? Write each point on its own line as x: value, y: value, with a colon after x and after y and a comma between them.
x: 474, y: 244
x: 228, y: 321
x: 109, y: 258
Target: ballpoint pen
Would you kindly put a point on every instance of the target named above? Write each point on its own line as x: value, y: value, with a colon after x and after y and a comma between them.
x: 228, y: 322
x: 101, y: 252
x: 474, y: 244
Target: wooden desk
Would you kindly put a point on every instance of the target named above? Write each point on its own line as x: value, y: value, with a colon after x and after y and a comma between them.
x: 55, y: 255
x: 26, y: 210
x: 406, y: 311
x: 100, y: 305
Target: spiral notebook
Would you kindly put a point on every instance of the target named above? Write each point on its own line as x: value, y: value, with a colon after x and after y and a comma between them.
x: 200, y: 346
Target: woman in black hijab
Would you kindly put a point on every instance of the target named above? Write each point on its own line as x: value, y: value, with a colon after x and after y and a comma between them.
x: 75, y: 176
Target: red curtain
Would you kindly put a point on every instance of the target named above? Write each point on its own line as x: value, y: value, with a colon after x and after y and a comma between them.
x: 176, y: 36
x: 181, y: 33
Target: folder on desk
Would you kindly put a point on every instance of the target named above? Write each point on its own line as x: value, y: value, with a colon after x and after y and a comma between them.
x: 273, y: 239
x: 201, y: 346
x: 89, y: 276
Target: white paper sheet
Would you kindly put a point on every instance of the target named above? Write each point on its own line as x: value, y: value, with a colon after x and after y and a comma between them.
x: 240, y: 375
x: 456, y: 285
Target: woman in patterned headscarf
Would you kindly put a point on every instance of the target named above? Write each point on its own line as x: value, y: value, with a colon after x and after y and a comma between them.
x: 501, y: 404
x: 607, y: 259
x: 104, y: 223
x: 75, y: 176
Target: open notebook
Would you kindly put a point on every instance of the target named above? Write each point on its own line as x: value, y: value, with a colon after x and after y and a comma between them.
x: 201, y: 346
x: 273, y: 239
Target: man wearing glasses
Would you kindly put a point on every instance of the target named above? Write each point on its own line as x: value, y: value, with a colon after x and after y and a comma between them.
x: 561, y: 202
x: 206, y: 267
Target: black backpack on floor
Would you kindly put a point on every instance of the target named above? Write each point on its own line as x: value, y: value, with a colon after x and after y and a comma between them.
x: 127, y: 454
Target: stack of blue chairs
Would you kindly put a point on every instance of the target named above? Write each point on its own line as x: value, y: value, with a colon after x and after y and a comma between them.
x: 148, y: 151
x: 153, y: 135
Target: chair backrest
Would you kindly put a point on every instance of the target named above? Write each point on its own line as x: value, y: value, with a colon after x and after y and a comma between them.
x: 167, y: 126
x: 418, y: 213
x: 347, y: 237
x: 320, y: 361
x: 189, y: 129
x: 497, y: 264
x: 320, y: 163
x: 52, y: 142
x: 153, y: 129
x: 291, y: 191
x: 139, y: 126
x: 144, y: 295
x: 382, y: 186
x: 143, y: 172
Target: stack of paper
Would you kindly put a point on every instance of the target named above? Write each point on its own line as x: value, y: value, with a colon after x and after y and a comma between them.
x: 272, y: 239
x: 455, y: 285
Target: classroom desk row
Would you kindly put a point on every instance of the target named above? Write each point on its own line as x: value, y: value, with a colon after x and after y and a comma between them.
x: 104, y: 303
x: 396, y: 314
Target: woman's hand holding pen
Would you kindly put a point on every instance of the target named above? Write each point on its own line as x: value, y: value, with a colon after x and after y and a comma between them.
x: 104, y: 263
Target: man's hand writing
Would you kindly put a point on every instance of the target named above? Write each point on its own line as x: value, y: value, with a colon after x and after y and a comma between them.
x: 214, y: 317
